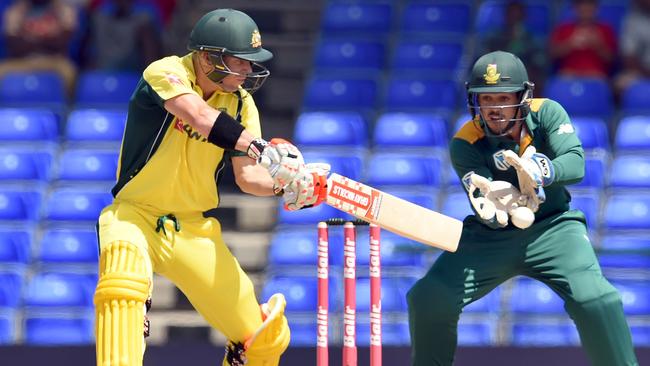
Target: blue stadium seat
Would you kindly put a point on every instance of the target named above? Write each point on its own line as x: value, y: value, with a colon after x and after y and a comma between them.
x: 392, y: 334
x: 15, y: 245
x: 28, y: 125
x: 640, y: 335
x: 635, y: 98
x: 71, y: 204
x: 477, y: 333
x: 456, y: 204
x: 50, y: 289
x: 589, y: 204
x: 627, y: 210
x: 410, y: 130
x: 95, y: 125
x: 540, y: 333
x: 439, y: 17
x: 426, y: 56
x: 627, y: 261
x: 491, y: 17
x: 31, y: 164
x: 341, y: 162
x: 303, y: 333
x: 45, y: 329
x: 595, y: 170
x: 617, y: 242
x: 635, y: 296
x: 417, y: 94
x: 630, y: 171
x: 7, y: 326
x: 363, y: 17
x: 582, y: 96
x: 87, y: 165
x: 530, y: 296
x: 32, y: 88
x: 105, y: 88
x: 307, y: 216
x: 393, y: 295
x: 16, y: 204
x: 592, y: 132
x: 331, y: 128
x: 395, y: 250
x: 404, y: 169
x: 68, y: 246
x: 340, y: 93
x: 633, y: 133
x: 300, y: 292
x: 490, y: 303
x: 297, y: 246
x: 11, y: 286
x: 346, y: 54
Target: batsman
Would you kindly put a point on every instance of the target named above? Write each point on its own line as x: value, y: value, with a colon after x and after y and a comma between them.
x: 515, y: 158
x: 186, y: 117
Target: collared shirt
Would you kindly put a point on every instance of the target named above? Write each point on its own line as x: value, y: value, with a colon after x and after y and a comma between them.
x: 165, y: 165
x: 552, y: 134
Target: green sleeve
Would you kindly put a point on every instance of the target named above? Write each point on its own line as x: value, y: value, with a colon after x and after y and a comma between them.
x: 566, y: 151
x: 465, y: 158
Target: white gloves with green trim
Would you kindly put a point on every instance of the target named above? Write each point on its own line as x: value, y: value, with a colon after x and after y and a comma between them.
x: 534, y: 172
x: 498, y: 201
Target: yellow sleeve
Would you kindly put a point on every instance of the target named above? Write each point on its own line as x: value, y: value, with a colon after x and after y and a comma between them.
x: 250, y: 117
x: 168, y: 78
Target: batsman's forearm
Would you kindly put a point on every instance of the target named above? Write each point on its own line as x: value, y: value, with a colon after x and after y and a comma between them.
x: 569, y: 168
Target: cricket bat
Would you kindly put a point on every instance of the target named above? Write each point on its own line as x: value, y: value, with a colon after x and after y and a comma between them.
x: 393, y: 214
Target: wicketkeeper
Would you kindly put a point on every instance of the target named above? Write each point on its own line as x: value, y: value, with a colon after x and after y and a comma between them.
x: 516, y: 155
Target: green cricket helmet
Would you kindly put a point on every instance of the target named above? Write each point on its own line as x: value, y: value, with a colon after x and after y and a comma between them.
x: 231, y: 32
x: 499, y: 72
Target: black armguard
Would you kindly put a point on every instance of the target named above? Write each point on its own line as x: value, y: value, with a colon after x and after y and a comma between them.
x: 225, y: 132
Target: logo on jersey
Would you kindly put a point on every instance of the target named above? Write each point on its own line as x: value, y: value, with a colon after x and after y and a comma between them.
x: 500, y: 161
x: 467, y: 180
x: 173, y: 79
x: 256, y: 39
x: 565, y: 128
x: 491, y: 75
x: 187, y: 129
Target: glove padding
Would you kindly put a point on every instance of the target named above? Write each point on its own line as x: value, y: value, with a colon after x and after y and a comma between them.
x: 282, y: 159
x: 498, y: 199
x: 534, y: 171
x: 308, y: 188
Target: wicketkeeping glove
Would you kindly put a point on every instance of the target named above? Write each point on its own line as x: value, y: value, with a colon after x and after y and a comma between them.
x: 534, y: 172
x: 498, y: 198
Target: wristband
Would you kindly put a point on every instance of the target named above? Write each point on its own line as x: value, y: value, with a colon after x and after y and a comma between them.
x: 225, y: 131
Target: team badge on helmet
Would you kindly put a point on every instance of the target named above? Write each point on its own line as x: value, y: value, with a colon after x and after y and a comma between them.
x: 256, y: 39
x: 491, y: 75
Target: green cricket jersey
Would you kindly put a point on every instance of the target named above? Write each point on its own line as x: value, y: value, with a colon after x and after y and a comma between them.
x: 551, y: 133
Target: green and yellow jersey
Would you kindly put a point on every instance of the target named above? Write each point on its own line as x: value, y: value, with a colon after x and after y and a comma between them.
x: 165, y: 165
x: 552, y: 134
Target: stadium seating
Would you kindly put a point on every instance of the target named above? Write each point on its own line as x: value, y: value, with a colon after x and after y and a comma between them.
x: 76, y: 204
x: 26, y: 164
x: 393, y: 295
x: 630, y: 242
x: 635, y: 98
x: 87, y: 165
x: 15, y: 245
x: 105, y: 89
x: 592, y: 132
x: 52, y: 289
x: 404, y: 169
x: 633, y: 134
x: 534, y: 297
x: 18, y: 204
x: 595, y: 173
x: 69, y: 245
x: 11, y: 286
x: 490, y: 303
x: 424, y: 130
x: 635, y: 296
x: 627, y: 210
x: 341, y: 129
x: 404, y: 94
x: 426, y: 57
x: 610, y: 12
x: 581, y: 96
x: 26, y: 89
x: 392, y: 334
x: 630, y: 171
x: 482, y: 332
x: 300, y: 292
x: 8, y: 324
x: 490, y: 17
x: 332, y: 93
x: 312, y: 216
x: 341, y: 162
x: 456, y: 204
x: 395, y: 250
x: 544, y: 333
x: 350, y: 55
x: 28, y: 124
x: 440, y: 18
x: 95, y: 125
x: 55, y: 329
x: 589, y: 203
x: 364, y: 17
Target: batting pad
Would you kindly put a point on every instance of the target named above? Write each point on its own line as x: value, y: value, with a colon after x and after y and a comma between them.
x: 123, y: 288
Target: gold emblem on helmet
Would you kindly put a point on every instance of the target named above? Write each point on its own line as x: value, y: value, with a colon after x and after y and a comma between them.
x: 491, y: 76
x: 256, y: 39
